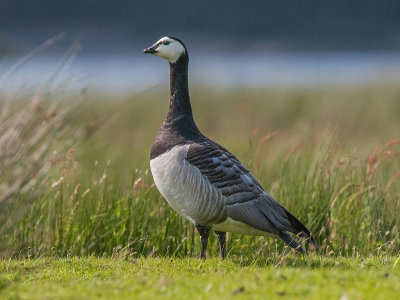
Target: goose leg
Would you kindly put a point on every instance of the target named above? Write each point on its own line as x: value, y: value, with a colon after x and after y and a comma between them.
x: 204, y: 234
x: 222, y: 242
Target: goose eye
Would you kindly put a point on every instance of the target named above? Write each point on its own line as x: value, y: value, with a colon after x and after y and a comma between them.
x: 166, y: 43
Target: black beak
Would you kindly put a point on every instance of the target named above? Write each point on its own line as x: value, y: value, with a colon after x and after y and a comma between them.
x: 150, y: 50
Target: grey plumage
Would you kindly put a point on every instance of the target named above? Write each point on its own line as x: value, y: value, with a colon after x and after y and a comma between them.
x: 245, y: 199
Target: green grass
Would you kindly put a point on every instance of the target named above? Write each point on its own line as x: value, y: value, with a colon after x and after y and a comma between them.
x: 281, y: 277
x: 81, y: 217
x: 330, y: 155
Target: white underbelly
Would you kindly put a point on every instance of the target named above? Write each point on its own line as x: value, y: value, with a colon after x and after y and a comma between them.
x: 231, y: 225
x: 185, y: 188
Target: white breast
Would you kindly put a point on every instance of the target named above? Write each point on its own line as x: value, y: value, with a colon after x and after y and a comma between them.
x: 185, y: 188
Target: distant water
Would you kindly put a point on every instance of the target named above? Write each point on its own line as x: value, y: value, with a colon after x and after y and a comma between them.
x: 137, y: 72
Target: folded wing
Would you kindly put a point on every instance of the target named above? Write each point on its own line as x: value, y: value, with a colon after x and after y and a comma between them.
x: 245, y: 199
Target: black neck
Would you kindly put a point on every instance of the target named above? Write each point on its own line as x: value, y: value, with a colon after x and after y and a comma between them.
x: 179, y: 105
x: 179, y: 126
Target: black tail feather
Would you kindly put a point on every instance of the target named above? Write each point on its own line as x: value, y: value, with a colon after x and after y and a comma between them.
x: 299, y: 228
x: 288, y: 239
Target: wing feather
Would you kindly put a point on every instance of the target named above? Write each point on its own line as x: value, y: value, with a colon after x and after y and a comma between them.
x: 246, y: 200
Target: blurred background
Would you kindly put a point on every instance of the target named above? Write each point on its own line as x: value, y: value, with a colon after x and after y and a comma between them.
x: 231, y: 43
x: 304, y: 93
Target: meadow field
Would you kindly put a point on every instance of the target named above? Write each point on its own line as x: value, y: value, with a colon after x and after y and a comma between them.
x: 81, y: 217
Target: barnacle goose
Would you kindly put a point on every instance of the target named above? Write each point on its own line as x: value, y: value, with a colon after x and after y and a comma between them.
x: 202, y: 180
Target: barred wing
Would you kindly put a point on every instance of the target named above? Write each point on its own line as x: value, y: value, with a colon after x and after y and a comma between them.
x: 245, y: 199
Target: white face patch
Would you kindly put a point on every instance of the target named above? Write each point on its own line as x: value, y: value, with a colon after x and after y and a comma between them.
x: 169, y: 49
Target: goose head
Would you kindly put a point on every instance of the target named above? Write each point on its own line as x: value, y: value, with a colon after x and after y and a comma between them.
x: 169, y: 48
